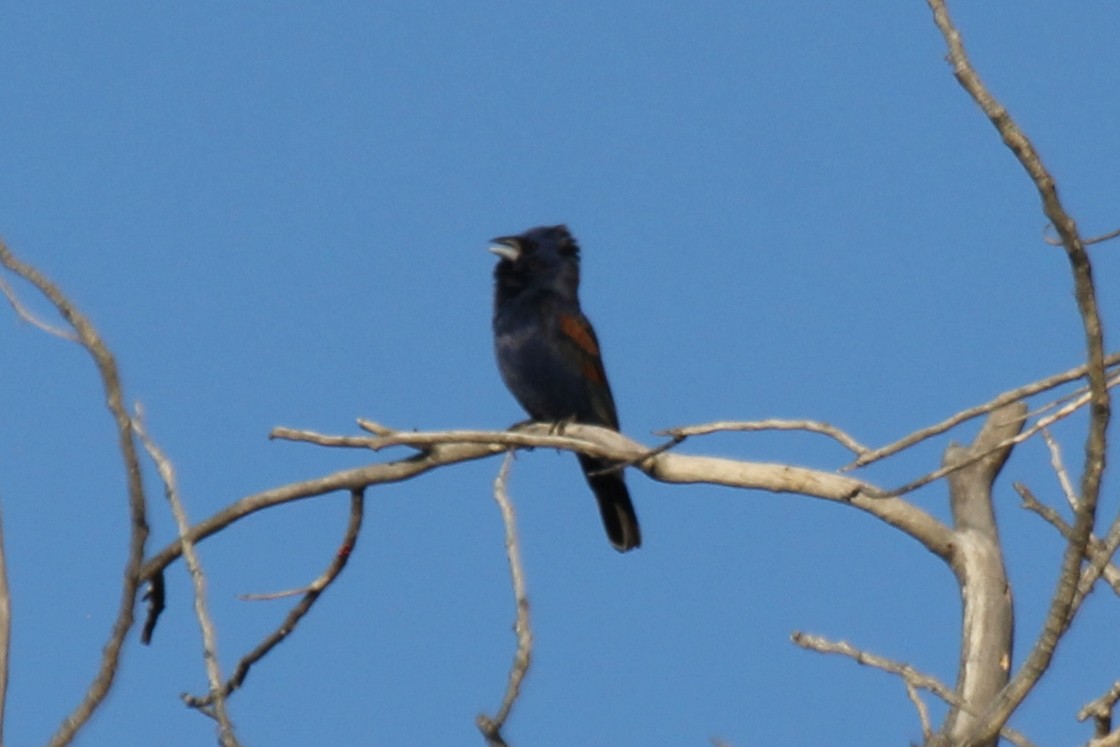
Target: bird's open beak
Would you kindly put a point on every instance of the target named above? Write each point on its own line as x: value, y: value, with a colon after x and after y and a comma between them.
x: 506, y: 247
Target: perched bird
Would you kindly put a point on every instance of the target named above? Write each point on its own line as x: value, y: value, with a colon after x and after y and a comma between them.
x: 549, y: 356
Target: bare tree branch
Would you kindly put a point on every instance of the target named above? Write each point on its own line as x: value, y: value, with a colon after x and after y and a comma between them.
x: 922, y: 708
x: 1062, y: 603
x: 449, y: 447
x: 602, y: 442
x: 1072, y: 406
x: 441, y: 448
x: 530, y: 435
x: 987, y: 620
x: 1102, y: 238
x: 5, y: 630
x: 1109, y: 740
x: 1087, y: 242
x: 1100, y: 710
x: 911, y: 676
x: 1097, y: 551
x: 773, y: 424
x: 1059, y: 468
x: 986, y: 694
x: 310, y: 596
x: 1014, y: 395
x: 91, y: 341
x: 491, y: 728
x: 348, y: 480
x: 23, y: 313
x: 226, y: 734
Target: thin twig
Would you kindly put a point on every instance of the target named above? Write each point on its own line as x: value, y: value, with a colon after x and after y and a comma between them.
x: 922, y: 708
x: 908, y: 673
x: 1014, y: 395
x: 1059, y: 468
x: 1102, y: 238
x: 1101, y: 710
x: 30, y: 318
x: 5, y: 630
x: 375, y: 428
x: 270, y: 596
x: 226, y: 734
x: 1096, y: 549
x: 773, y: 424
x: 1070, y: 408
x: 1112, y: 380
x: 323, y: 439
x: 491, y: 727
x: 1054, y: 241
x: 1100, y: 564
x: 919, y: 680
x: 311, y: 595
x: 91, y: 341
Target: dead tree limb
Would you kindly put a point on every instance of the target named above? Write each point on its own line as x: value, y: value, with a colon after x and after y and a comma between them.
x: 90, y: 340
x: 987, y: 618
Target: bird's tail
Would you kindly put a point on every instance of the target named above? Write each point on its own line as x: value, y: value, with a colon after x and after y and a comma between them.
x: 619, y: 518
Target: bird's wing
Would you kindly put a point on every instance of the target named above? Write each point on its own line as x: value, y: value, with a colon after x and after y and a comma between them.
x: 579, y: 336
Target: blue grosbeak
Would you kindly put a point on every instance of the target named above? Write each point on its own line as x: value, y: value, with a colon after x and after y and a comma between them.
x: 549, y: 356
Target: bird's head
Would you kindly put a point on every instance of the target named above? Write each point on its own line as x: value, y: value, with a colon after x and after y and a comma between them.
x: 546, y: 257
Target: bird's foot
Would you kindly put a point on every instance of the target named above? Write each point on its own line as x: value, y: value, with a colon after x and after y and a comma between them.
x: 557, y: 428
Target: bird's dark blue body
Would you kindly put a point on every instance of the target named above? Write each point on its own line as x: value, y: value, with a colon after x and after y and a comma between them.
x: 549, y: 355
x: 549, y: 382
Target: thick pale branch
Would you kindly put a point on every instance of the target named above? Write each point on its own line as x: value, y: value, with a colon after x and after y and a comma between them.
x: 678, y: 468
x: 451, y: 447
x: 531, y: 435
x: 987, y: 622
x: 1109, y: 740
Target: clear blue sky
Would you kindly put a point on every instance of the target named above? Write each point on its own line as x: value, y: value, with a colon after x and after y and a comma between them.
x: 277, y: 214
